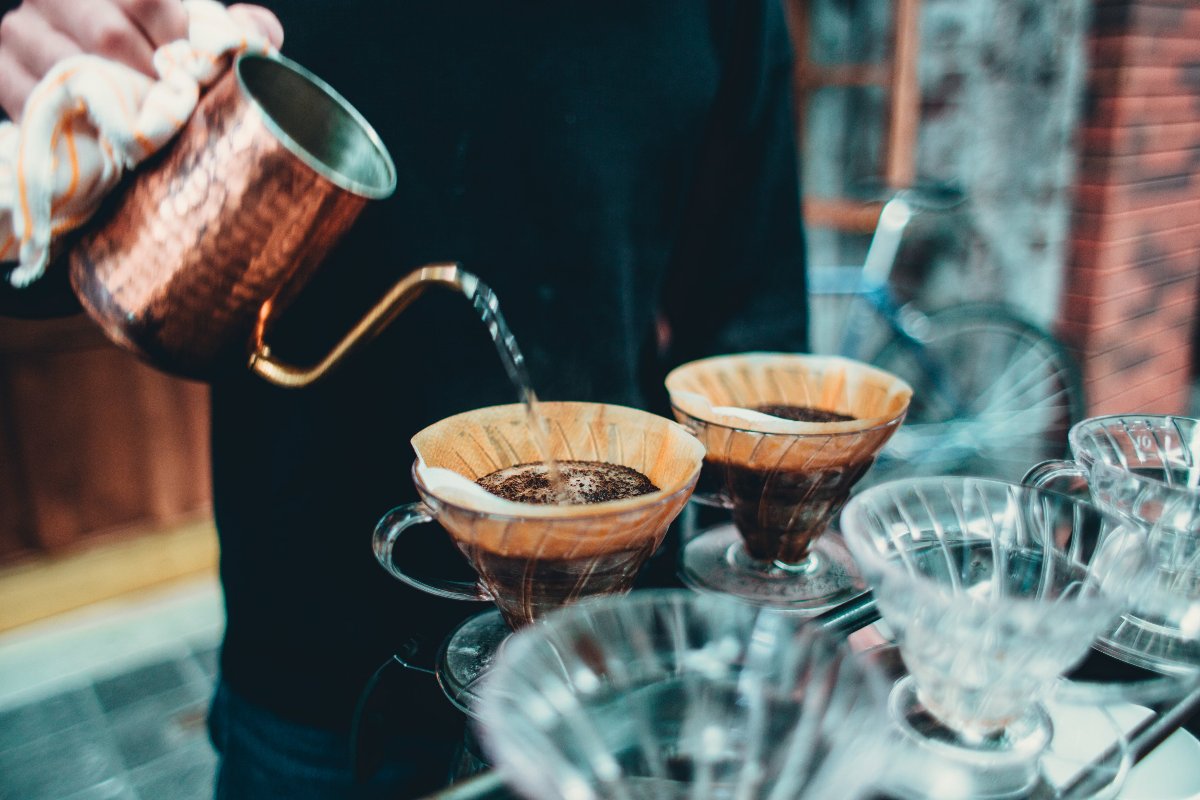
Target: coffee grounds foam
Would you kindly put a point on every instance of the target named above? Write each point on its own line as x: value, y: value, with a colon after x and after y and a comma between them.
x: 584, y: 482
x: 802, y: 413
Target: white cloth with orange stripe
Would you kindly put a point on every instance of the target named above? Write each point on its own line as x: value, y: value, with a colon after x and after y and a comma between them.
x: 89, y: 120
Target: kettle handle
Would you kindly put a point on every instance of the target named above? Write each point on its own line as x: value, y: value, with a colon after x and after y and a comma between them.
x: 398, y: 298
x: 383, y: 542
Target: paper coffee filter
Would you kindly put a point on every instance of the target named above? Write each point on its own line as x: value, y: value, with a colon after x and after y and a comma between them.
x: 715, y: 394
x: 477, y: 443
x: 456, y: 451
x: 448, y: 485
x: 724, y: 388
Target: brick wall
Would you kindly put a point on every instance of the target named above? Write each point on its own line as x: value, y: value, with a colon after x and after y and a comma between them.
x: 1131, y: 283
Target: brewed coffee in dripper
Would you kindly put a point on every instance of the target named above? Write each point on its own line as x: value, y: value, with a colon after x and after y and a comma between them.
x: 533, y: 558
x: 787, y: 438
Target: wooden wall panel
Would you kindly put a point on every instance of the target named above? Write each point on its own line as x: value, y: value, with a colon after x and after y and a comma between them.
x: 102, y: 441
x: 175, y: 443
x: 16, y: 529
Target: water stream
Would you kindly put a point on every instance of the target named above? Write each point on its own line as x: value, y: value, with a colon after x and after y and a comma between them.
x: 488, y: 306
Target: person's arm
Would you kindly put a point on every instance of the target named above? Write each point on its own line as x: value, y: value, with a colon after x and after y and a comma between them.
x: 37, y: 34
x: 737, y: 279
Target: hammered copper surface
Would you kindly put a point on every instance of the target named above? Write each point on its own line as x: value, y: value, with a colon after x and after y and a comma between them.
x: 224, y: 221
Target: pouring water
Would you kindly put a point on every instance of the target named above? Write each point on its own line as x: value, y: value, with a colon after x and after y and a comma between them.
x: 488, y: 306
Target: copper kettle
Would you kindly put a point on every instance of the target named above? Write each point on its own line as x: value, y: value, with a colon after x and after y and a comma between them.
x: 189, y: 263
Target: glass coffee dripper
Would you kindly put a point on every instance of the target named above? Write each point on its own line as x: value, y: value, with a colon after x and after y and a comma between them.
x: 1146, y: 467
x: 783, y: 480
x: 671, y: 694
x: 531, y: 559
x: 992, y: 591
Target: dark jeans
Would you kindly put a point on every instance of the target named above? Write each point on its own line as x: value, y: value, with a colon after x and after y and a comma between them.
x: 263, y: 756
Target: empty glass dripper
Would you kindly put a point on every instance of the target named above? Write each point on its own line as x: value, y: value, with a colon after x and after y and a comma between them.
x: 668, y: 694
x: 783, y: 479
x: 1146, y: 467
x: 992, y: 590
x: 531, y: 559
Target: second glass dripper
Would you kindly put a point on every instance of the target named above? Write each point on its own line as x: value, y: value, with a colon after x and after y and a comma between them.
x: 671, y: 695
x: 992, y: 590
x: 1147, y: 468
x: 783, y: 478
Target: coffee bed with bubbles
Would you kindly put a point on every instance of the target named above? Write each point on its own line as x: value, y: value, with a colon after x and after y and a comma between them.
x: 583, y: 482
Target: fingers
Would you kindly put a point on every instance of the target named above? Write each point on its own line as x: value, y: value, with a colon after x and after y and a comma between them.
x: 161, y: 21
x: 260, y: 19
x: 110, y: 33
x: 39, y: 33
x: 127, y: 31
x: 33, y: 43
x: 15, y: 85
x: 29, y: 47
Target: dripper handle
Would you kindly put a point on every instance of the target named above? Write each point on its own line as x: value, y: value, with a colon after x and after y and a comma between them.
x: 398, y: 298
x: 387, y: 533
x: 1065, y: 477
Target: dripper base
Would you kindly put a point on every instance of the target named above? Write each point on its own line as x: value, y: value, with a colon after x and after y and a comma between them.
x: 1003, y: 764
x: 716, y: 561
x: 1029, y: 759
x: 467, y: 654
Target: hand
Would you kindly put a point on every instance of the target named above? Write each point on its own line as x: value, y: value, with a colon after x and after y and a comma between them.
x: 259, y: 19
x: 39, y: 33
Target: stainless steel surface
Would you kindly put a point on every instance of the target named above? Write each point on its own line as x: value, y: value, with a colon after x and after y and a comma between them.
x: 850, y: 616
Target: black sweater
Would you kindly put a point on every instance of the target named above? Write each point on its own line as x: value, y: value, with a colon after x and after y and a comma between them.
x: 597, y: 164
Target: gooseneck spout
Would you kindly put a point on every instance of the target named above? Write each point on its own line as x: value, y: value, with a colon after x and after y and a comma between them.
x: 398, y: 298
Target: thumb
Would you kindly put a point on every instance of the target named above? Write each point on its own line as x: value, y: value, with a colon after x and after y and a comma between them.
x: 259, y: 19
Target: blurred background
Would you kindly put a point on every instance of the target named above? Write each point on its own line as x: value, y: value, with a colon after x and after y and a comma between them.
x: 1072, y: 128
